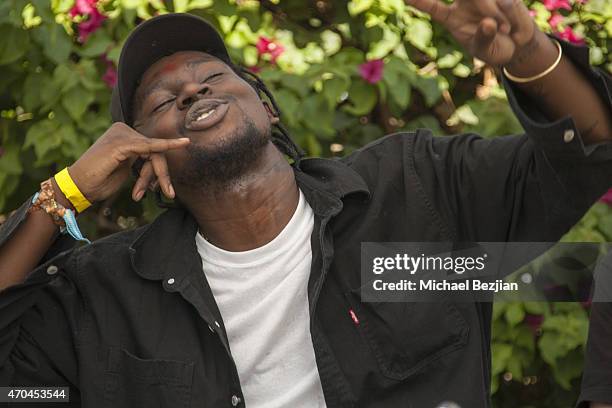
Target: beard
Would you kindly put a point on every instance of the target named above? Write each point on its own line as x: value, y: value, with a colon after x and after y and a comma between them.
x: 217, y: 167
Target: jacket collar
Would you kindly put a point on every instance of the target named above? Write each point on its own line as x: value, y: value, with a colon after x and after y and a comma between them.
x: 166, y: 248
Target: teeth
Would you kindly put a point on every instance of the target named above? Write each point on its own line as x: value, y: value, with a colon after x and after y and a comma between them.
x: 206, y: 114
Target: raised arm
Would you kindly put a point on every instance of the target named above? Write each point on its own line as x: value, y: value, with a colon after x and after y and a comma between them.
x: 502, y: 34
x: 100, y: 172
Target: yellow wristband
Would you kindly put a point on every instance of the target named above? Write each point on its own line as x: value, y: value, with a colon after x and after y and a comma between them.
x: 71, y: 191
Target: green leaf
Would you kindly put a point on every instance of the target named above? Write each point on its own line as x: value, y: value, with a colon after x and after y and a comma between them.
x: 43, y: 136
x: 199, y: 4
x: 97, y: 44
x: 501, y: 353
x: 515, y: 313
x: 32, y: 88
x: 362, y: 98
x: 76, y: 101
x: 290, y: 105
x: 429, y: 88
x: 65, y: 78
x: 180, y: 6
x: 400, y: 91
x: 320, y: 117
x: 10, y: 162
x: 312, y: 145
x: 419, y: 33
x: 14, y: 44
x: 359, y: 6
x: 89, y: 76
x: 55, y: 42
x: 333, y: 88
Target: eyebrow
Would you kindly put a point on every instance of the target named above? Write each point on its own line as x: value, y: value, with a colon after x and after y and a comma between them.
x: 190, y: 64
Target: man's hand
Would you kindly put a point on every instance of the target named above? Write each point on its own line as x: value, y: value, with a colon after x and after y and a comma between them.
x: 494, y: 31
x: 105, y: 166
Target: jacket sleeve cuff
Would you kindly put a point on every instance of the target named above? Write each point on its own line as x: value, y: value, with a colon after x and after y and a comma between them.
x: 561, y: 138
x: 61, y: 242
x: 10, y: 225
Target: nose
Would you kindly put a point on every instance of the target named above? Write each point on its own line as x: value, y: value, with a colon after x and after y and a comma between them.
x: 190, y: 93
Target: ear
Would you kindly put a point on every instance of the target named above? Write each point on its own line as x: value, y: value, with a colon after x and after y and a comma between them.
x: 271, y: 115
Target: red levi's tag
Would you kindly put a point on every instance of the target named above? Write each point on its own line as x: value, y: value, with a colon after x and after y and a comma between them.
x: 353, y: 316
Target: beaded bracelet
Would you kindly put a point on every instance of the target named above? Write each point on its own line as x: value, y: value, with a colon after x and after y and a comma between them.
x: 62, y: 216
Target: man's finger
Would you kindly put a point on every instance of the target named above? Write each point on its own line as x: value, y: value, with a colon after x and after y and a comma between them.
x: 518, y: 15
x: 485, y: 35
x: 144, y: 147
x: 490, y: 8
x: 144, y: 179
x: 160, y: 166
x: 436, y: 9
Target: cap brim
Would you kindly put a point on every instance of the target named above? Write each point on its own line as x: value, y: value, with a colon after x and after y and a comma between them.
x: 156, y: 38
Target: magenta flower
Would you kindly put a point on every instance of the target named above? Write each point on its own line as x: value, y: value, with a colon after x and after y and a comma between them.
x: 110, y: 76
x: 372, y: 71
x: 90, y: 25
x: 607, y: 198
x: 267, y: 46
x: 534, y: 322
x: 533, y: 13
x: 569, y: 35
x: 557, y: 4
x: 92, y: 17
x: 555, y: 20
x: 82, y: 7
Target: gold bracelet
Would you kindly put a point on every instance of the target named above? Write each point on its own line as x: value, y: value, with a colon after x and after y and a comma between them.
x: 541, y: 74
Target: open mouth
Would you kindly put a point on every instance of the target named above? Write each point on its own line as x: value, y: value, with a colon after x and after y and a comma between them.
x: 205, y: 113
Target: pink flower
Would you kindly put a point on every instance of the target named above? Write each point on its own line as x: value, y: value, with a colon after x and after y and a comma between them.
x: 82, y: 7
x: 267, y: 46
x: 555, y: 20
x: 534, y: 322
x: 533, y: 13
x: 557, y: 4
x: 607, y: 198
x: 90, y: 25
x: 254, y: 69
x: 569, y: 35
x: 372, y: 71
x: 110, y: 76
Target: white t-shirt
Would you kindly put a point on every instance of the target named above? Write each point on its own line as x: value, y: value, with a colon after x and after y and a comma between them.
x: 263, y: 299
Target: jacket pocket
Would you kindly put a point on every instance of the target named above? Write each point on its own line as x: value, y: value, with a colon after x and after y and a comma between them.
x: 134, y: 382
x: 407, y: 337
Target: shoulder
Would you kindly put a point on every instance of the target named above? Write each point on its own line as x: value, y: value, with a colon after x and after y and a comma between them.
x: 110, y: 251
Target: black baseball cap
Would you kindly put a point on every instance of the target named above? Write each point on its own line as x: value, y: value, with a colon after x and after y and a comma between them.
x: 152, y: 40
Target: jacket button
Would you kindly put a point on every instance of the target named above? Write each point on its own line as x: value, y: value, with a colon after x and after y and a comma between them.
x: 210, y: 328
x: 568, y: 135
x: 170, y: 281
x: 235, y: 400
x: 52, y: 270
x: 217, y: 324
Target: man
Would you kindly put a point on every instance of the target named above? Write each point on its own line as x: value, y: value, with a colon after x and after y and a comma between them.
x: 247, y: 293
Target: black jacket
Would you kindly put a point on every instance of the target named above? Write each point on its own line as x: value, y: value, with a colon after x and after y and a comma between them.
x: 105, y: 319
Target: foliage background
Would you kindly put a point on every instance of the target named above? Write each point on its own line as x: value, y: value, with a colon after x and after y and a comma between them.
x: 344, y: 74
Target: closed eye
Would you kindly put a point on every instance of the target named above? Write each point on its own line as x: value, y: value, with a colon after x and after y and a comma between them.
x: 212, y: 76
x: 161, y: 105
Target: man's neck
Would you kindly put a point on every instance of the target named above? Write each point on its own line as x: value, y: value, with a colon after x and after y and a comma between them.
x: 249, y: 212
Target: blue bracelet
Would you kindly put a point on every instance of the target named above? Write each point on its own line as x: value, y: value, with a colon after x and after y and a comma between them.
x: 72, y: 228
